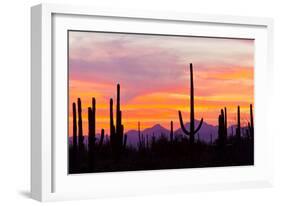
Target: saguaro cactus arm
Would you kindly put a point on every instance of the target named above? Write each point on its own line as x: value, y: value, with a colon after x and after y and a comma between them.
x: 182, y: 125
x: 199, y: 126
x: 185, y: 130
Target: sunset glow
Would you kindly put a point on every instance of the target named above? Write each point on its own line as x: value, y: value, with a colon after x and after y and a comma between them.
x: 153, y: 72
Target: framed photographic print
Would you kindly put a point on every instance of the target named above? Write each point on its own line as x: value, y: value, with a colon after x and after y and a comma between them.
x: 135, y: 102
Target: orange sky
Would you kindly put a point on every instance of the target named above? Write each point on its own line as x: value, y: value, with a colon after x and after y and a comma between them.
x: 154, y: 77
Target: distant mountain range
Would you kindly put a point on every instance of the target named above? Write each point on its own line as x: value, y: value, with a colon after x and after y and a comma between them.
x: 158, y: 130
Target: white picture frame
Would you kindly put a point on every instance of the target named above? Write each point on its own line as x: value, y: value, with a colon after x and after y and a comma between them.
x: 49, y: 178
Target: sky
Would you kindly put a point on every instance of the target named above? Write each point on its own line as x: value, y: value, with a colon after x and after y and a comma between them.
x: 153, y: 72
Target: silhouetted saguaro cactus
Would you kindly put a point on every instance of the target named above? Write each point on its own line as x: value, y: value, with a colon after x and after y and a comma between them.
x: 139, y: 134
x: 112, y: 127
x: 116, y: 132
x: 94, y: 117
x: 141, y: 138
x: 93, y: 148
x: 91, y: 139
x: 80, y: 126
x: 251, y: 123
x: 89, y: 121
x: 119, y: 126
x: 192, y: 131
x: 172, y: 132
x: 238, y: 129
x: 91, y: 133
x: 74, y: 125
x: 225, y: 122
x: 101, y: 138
x: 221, y: 132
x: 92, y: 125
x: 75, y: 148
x: 223, y: 129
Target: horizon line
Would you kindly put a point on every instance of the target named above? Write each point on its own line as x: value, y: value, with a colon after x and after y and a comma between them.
x: 164, y: 128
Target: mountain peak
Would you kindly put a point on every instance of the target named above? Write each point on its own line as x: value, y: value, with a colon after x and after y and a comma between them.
x: 157, y: 126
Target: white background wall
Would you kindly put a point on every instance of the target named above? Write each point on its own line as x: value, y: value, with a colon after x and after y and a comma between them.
x: 15, y: 101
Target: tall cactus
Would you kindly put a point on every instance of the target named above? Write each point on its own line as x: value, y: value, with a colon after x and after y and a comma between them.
x: 172, y: 132
x: 116, y: 132
x: 222, y: 128
x: 90, y: 122
x: 75, y: 148
x: 238, y: 129
x: 94, y: 117
x: 119, y: 126
x: 139, y: 137
x: 192, y: 131
x: 225, y: 122
x: 91, y: 139
x: 251, y: 123
x: 91, y: 134
x: 92, y: 125
x: 139, y: 133
x: 112, y: 127
x: 80, y: 126
x: 74, y: 125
